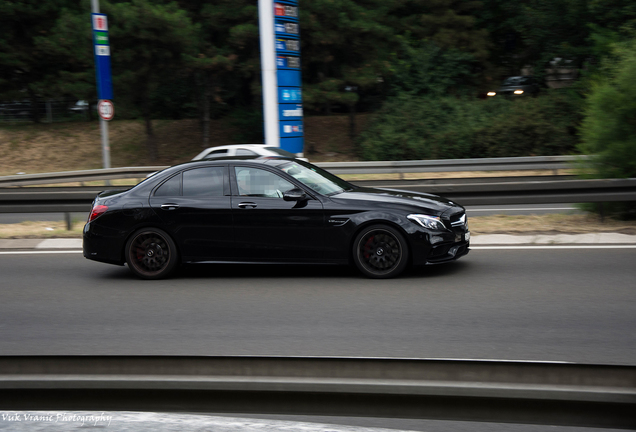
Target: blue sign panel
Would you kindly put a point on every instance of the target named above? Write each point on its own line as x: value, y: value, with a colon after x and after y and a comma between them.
x: 289, y: 95
x: 291, y: 129
x: 290, y: 112
x: 292, y: 145
x: 289, y: 78
x: 102, y: 56
x: 287, y: 62
x: 286, y: 28
x: 285, y: 46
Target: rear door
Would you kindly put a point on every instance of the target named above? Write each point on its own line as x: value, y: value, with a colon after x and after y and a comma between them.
x: 195, y: 206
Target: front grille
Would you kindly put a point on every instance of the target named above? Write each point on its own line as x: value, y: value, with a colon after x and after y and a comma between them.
x: 458, y: 220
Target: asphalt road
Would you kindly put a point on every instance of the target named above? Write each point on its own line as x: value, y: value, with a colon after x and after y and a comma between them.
x: 563, y: 305
x: 560, y: 305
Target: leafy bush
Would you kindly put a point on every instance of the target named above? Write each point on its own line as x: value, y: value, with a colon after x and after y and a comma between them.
x: 609, y: 128
x: 426, y: 127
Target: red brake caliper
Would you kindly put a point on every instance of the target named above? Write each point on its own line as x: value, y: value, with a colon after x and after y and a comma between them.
x: 367, y: 247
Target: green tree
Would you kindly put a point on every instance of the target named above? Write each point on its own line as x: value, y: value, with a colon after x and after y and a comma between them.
x: 68, y: 44
x: 609, y: 128
x: 25, y: 65
x: 225, y: 56
x: 148, y: 44
x: 424, y: 68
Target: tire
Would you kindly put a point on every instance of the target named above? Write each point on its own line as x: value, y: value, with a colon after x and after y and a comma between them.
x: 380, y: 252
x: 151, y: 254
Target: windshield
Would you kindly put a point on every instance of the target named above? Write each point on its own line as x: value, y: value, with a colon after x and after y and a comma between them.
x: 316, y: 179
x: 515, y: 81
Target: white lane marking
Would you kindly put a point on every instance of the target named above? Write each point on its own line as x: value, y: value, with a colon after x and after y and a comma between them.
x: 554, y: 247
x: 38, y: 252
x: 521, y: 209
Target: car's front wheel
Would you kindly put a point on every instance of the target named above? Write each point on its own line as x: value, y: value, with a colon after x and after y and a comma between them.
x: 380, y: 252
x: 151, y: 254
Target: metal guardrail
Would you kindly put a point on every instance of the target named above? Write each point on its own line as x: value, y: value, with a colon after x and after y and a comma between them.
x: 453, y: 165
x: 77, y: 176
x: 51, y: 200
x: 497, y: 391
x: 483, y: 192
x: 535, y: 192
x: 386, y: 167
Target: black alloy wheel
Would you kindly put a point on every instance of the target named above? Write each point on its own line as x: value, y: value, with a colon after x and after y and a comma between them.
x: 380, y: 252
x: 151, y: 254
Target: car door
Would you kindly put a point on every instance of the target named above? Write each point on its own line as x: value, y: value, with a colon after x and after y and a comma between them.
x: 266, y: 227
x: 195, y: 206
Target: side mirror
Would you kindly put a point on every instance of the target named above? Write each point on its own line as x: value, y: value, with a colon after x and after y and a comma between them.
x: 295, y: 194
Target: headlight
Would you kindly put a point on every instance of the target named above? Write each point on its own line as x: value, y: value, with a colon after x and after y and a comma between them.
x: 491, y: 93
x: 430, y: 222
x: 518, y: 92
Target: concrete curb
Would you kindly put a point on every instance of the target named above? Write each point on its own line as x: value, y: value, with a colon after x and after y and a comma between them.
x: 478, y: 240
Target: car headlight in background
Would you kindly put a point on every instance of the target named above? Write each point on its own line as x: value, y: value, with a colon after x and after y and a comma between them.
x: 518, y: 92
x: 430, y: 222
x: 491, y: 94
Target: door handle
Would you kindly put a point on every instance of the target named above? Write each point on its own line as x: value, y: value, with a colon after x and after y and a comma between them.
x: 169, y: 206
x: 247, y: 205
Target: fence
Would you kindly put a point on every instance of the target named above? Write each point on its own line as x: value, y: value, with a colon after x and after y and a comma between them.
x: 45, y: 110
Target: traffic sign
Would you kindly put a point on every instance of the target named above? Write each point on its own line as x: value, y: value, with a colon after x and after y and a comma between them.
x: 102, y: 56
x: 106, y: 109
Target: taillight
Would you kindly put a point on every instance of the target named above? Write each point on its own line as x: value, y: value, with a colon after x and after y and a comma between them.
x: 97, y: 211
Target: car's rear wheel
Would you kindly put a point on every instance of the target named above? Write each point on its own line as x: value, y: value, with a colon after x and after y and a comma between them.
x: 151, y: 254
x: 380, y: 252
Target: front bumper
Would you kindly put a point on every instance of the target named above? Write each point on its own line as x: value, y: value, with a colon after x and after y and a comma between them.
x: 448, y: 252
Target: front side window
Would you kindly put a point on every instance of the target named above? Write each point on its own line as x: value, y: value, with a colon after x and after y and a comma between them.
x: 256, y: 182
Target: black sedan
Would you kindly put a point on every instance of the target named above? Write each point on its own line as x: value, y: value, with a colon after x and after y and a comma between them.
x: 269, y: 210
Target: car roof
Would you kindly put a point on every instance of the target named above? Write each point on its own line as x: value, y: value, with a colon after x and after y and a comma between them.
x: 235, y: 145
x: 258, y: 159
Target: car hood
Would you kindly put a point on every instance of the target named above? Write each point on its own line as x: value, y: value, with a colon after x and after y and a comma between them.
x: 407, y: 200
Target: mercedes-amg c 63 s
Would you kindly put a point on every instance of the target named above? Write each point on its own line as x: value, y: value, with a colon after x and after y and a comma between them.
x: 269, y: 210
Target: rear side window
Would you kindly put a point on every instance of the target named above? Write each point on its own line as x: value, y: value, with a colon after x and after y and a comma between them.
x: 216, y: 154
x: 245, y: 152
x: 199, y: 182
x: 170, y: 188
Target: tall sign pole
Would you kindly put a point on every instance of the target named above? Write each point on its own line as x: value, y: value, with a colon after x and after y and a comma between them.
x: 268, y: 72
x: 101, y: 52
x: 282, y: 93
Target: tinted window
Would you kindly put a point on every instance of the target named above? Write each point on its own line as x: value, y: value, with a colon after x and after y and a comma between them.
x: 215, y: 154
x: 315, y: 178
x: 170, y: 188
x: 203, y: 182
x: 281, y: 152
x: 260, y: 183
x: 245, y: 152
